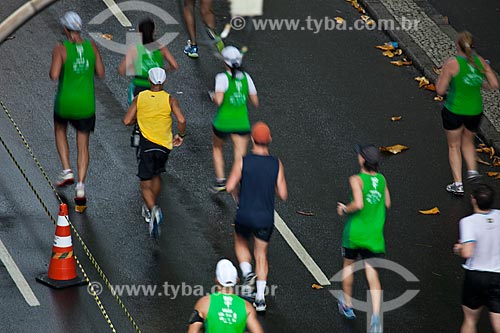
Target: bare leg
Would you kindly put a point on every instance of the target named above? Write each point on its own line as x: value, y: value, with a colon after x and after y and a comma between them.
x: 218, y: 145
x: 156, y: 187
x: 82, y: 143
x: 495, y: 322
x: 468, y: 149
x: 147, y: 193
x: 454, y: 152
x: 374, y: 285
x: 62, y: 144
x: 260, y: 254
x: 190, y: 21
x: 347, y: 281
x: 470, y: 320
x: 242, y: 249
x: 240, y: 145
x: 207, y: 13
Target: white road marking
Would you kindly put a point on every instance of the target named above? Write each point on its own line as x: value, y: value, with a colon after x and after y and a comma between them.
x: 299, y: 250
x: 117, y: 12
x: 17, y: 276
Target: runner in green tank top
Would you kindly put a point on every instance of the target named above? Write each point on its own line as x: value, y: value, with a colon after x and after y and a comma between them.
x: 74, y: 64
x: 463, y: 76
x: 223, y: 311
x: 232, y: 90
x: 364, y: 230
x: 142, y: 57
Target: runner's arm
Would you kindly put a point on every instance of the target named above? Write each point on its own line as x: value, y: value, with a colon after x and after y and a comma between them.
x: 99, y: 66
x: 221, y: 85
x: 253, y: 324
x: 491, y: 82
x: 234, y: 179
x: 181, y: 122
x: 131, y: 116
x: 252, y: 91
x: 444, y: 79
x: 173, y: 65
x: 199, y: 315
x: 57, y: 62
x: 357, y: 197
x: 281, y: 188
x: 387, y: 197
x: 126, y: 66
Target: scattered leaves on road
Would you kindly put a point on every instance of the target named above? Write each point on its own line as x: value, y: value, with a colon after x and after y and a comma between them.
x: 437, y: 70
x: 480, y: 161
x: 107, y: 36
x: 339, y: 20
x: 316, y: 286
x: 395, y: 149
x: 305, y: 213
x: 432, y: 211
x: 396, y: 118
x: 422, y: 81
x: 438, y: 98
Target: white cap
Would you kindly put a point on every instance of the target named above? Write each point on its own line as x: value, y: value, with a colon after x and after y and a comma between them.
x: 157, y: 75
x: 232, y: 56
x: 226, y: 273
x: 72, y: 21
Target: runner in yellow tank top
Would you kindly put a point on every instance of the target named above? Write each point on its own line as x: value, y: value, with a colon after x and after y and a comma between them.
x: 152, y: 110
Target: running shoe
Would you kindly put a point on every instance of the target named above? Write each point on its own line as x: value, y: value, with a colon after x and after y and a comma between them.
x: 80, y: 191
x: 146, y: 213
x: 154, y: 223
x: 457, y: 190
x: 375, y: 326
x: 260, y: 305
x: 218, y: 187
x: 473, y: 176
x: 248, y: 287
x: 191, y: 50
x: 65, y: 178
x: 219, y: 44
x: 345, y: 310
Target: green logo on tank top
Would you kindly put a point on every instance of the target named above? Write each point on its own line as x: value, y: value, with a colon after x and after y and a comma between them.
x: 373, y: 197
x: 80, y: 65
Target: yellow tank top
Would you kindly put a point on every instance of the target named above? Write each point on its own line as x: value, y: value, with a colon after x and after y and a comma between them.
x: 154, y: 117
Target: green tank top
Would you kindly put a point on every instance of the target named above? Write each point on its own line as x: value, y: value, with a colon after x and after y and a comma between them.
x: 464, y: 95
x: 144, y: 61
x: 227, y: 314
x: 232, y: 115
x: 75, y: 97
x: 364, y: 229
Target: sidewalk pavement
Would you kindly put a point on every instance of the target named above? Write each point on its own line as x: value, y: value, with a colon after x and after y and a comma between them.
x: 430, y: 45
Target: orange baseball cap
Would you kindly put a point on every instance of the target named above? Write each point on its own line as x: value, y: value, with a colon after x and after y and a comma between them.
x: 261, y: 133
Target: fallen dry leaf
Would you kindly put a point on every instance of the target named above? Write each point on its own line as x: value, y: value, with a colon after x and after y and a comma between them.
x: 496, y: 161
x: 385, y: 47
x: 370, y: 22
x: 480, y: 161
x: 316, y: 286
x: 493, y: 174
x: 388, y: 54
x: 437, y: 70
x: 107, y: 36
x: 430, y: 87
x: 396, y: 118
x: 492, y: 152
x: 395, y: 149
x: 482, y: 145
x: 80, y: 208
x: 432, y: 211
x: 438, y: 98
x: 400, y: 63
x: 305, y: 213
x: 398, y: 52
x: 422, y: 81
x: 338, y: 19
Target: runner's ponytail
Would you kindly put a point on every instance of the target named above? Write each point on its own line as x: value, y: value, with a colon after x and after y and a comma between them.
x: 465, y: 42
x: 147, y: 28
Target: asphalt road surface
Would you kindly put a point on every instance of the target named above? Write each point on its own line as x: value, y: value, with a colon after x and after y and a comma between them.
x: 321, y: 93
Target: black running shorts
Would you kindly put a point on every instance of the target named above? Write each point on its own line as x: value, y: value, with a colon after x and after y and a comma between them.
x: 353, y: 254
x: 263, y: 234
x: 481, y: 289
x: 152, y: 159
x: 452, y: 121
x: 85, y: 125
x: 224, y: 135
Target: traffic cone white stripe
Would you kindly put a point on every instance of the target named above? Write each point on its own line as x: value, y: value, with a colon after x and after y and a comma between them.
x: 62, y: 221
x: 62, y: 241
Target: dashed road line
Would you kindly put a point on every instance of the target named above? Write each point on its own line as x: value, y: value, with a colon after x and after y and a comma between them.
x: 17, y: 276
x: 117, y: 12
x: 300, y: 251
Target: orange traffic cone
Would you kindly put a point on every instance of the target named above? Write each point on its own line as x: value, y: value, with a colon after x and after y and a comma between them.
x: 62, y: 267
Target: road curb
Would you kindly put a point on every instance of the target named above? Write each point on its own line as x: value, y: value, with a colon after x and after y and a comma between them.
x: 421, y: 60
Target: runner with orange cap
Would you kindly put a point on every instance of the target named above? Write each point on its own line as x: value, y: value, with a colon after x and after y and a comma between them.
x: 260, y: 177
